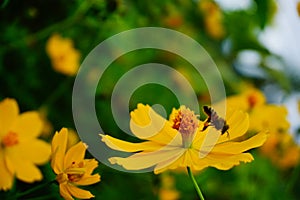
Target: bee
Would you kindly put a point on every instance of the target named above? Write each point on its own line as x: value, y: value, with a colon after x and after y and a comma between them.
x: 214, y: 120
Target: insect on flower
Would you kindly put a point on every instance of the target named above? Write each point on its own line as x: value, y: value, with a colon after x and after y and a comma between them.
x: 214, y: 120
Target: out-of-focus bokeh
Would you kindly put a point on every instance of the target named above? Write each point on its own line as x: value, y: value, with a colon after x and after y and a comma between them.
x: 254, y: 44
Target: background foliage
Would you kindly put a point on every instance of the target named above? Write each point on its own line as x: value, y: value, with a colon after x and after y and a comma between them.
x: 26, y: 74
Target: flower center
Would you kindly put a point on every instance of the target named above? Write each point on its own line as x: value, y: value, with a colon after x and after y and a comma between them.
x: 252, y: 101
x: 186, y: 122
x: 72, y: 174
x: 74, y: 177
x: 10, y: 139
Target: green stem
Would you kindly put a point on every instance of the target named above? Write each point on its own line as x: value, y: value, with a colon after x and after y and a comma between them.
x: 19, y: 195
x: 195, y: 183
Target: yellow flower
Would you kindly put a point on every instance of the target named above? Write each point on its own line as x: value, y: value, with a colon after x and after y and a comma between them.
x: 64, y: 58
x: 213, y: 19
x: 263, y: 116
x: 71, y: 168
x: 249, y: 99
x: 167, y: 190
x: 180, y: 141
x: 20, y: 148
x: 282, y: 150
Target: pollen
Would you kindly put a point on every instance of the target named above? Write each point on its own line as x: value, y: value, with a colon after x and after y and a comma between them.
x: 186, y: 122
x: 75, y: 172
x: 10, y: 139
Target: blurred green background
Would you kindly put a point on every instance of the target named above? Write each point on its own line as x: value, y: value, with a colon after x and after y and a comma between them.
x: 230, y: 36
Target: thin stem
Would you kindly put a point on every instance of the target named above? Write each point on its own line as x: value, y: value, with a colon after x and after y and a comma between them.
x: 195, y: 183
x: 34, y: 189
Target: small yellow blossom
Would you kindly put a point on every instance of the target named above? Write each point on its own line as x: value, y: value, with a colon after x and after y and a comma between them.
x: 181, y: 141
x: 20, y: 148
x: 167, y: 190
x: 64, y: 58
x: 71, y: 168
x: 213, y: 18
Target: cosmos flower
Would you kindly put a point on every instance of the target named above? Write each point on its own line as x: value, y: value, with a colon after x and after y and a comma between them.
x: 282, y: 150
x: 280, y: 147
x: 64, y: 57
x: 20, y: 148
x: 71, y: 168
x: 213, y: 19
x: 182, y: 142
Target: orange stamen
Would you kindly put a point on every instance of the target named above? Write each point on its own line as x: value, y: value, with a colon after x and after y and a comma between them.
x: 10, y: 139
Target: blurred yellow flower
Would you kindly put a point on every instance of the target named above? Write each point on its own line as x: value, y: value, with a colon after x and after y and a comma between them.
x: 167, y: 190
x: 261, y: 114
x: 181, y: 141
x: 269, y: 117
x: 71, y: 168
x: 213, y: 18
x: 20, y: 148
x: 247, y: 100
x: 64, y: 58
x: 282, y: 150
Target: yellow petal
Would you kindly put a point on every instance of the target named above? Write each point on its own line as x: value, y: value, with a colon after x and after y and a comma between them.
x: 26, y: 171
x: 189, y: 158
x: 64, y: 192
x: 239, y: 147
x: 225, y: 162
x: 75, y: 154
x: 28, y: 124
x: 121, y: 145
x: 177, y: 161
x: 36, y: 151
x: 145, y: 160
x: 145, y: 123
x: 79, y: 193
x: 90, y: 165
x: 7, y: 177
x: 9, y: 111
x: 59, y: 145
x: 238, y: 122
x: 89, y: 180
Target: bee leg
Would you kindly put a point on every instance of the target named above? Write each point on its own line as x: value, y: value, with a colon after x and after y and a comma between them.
x: 228, y: 136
